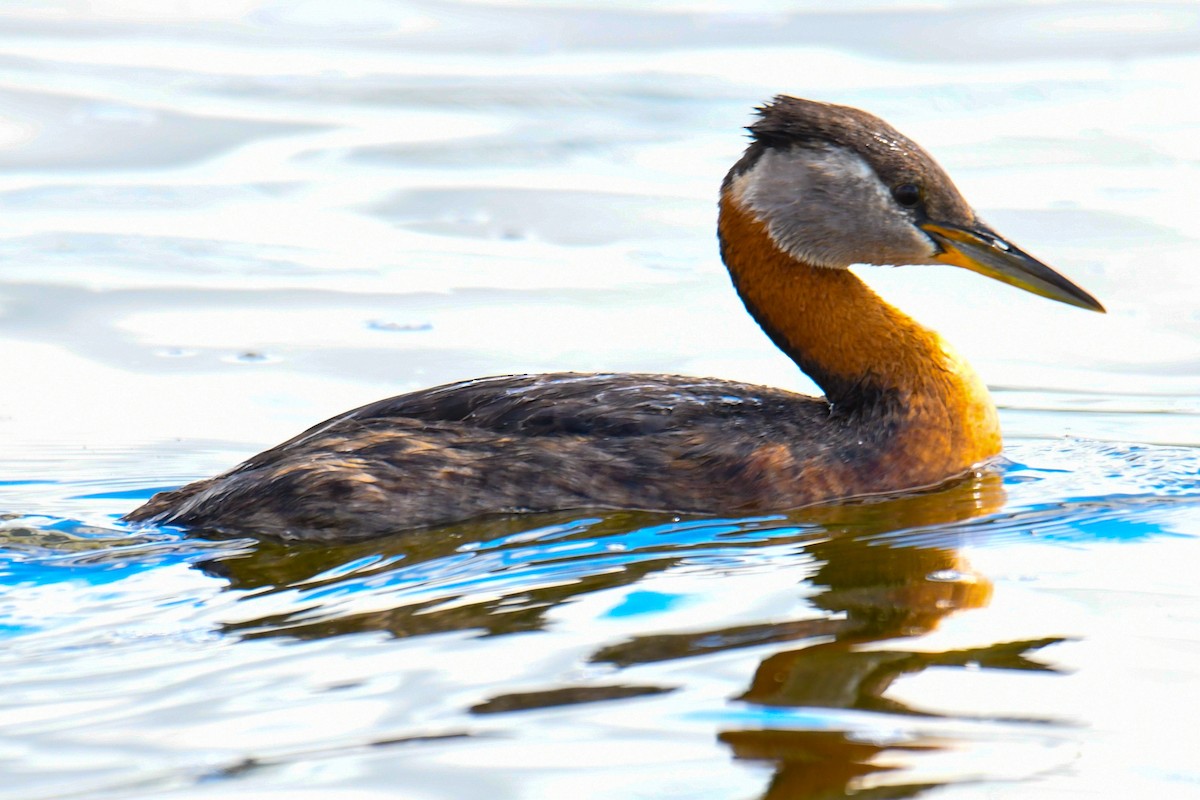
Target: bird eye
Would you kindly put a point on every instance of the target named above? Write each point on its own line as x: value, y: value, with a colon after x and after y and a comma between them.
x: 907, y: 194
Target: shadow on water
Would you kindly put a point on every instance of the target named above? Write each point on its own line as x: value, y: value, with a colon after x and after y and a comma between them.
x: 504, y: 575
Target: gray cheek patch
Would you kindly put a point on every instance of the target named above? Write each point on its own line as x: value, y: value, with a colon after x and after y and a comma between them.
x: 825, y: 206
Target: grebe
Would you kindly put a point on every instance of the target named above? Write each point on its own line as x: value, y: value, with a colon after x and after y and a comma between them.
x: 820, y: 187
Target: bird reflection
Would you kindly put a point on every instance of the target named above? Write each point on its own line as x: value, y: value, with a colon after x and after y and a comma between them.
x: 823, y: 765
x: 876, y: 591
x: 872, y: 588
x: 888, y: 569
x: 271, y: 566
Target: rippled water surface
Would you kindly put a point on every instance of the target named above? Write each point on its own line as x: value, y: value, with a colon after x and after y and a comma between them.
x: 222, y: 222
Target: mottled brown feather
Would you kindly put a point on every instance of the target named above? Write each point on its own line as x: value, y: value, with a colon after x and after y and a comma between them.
x: 526, y: 442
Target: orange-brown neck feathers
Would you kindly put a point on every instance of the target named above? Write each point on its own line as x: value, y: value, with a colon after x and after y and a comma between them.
x: 859, y: 349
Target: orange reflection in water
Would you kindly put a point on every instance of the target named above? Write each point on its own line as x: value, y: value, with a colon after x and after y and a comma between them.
x: 878, y: 590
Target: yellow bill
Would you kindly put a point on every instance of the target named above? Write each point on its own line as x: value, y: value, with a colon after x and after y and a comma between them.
x: 980, y: 250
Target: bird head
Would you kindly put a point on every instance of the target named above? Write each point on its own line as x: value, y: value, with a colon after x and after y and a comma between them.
x: 836, y: 186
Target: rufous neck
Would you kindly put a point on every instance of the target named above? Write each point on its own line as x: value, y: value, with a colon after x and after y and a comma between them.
x: 843, y: 335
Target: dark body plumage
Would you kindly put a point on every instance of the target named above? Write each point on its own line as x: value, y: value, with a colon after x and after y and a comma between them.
x: 819, y: 188
x: 531, y: 442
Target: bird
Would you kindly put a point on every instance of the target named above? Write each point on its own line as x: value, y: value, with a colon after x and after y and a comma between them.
x: 819, y: 187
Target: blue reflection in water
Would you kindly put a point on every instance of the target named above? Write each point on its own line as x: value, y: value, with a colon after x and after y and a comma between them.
x: 139, y: 493
x: 545, y: 555
x: 644, y: 602
x: 47, y: 550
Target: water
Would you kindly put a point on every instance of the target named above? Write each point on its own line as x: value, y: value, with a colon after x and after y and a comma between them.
x: 223, y: 222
